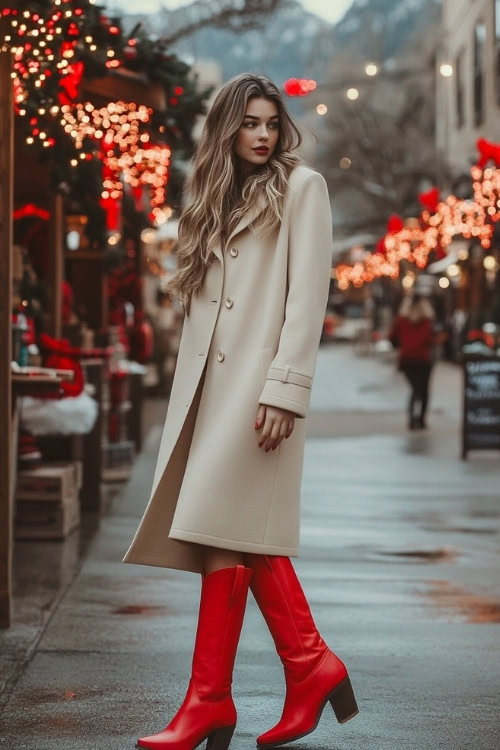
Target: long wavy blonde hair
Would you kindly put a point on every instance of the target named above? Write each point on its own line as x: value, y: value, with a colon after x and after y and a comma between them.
x: 219, y: 195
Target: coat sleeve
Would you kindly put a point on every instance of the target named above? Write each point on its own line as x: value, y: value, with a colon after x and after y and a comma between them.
x: 290, y: 375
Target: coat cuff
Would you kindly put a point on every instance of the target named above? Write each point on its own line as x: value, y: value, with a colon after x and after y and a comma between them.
x: 287, y: 389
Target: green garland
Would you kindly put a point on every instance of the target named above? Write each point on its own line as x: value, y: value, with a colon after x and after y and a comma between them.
x: 83, y: 37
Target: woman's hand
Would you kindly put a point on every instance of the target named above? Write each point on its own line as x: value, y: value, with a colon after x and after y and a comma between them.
x: 278, y: 424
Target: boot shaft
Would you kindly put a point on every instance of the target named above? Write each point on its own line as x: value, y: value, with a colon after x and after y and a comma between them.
x: 222, y: 608
x: 282, y: 601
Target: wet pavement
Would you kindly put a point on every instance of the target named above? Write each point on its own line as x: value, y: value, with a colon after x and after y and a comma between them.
x: 399, y: 559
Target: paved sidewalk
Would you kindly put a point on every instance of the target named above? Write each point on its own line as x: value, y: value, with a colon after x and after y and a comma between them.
x: 399, y: 559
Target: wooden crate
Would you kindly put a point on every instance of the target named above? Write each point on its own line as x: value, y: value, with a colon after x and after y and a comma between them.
x: 76, y: 467
x: 47, y: 482
x: 46, y: 519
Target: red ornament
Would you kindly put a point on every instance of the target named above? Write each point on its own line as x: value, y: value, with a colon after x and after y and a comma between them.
x: 292, y: 87
x: 380, y: 247
x: 57, y: 353
x: 394, y: 224
x: 430, y: 199
x: 70, y: 83
x: 488, y: 152
x: 112, y: 209
x: 29, y: 209
x: 299, y: 87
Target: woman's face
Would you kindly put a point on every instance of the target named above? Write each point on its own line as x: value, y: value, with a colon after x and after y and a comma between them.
x: 258, y: 133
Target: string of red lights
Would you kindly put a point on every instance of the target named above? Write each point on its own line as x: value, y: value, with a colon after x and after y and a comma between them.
x: 433, y: 231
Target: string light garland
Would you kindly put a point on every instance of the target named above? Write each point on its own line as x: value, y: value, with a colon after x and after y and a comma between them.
x: 486, y: 185
x: 437, y: 227
x: 140, y: 166
x: 127, y: 154
x: 117, y: 125
x: 51, y: 43
x: 54, y: 44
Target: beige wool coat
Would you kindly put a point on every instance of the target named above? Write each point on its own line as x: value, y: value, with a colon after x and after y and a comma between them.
x: 251, y: 338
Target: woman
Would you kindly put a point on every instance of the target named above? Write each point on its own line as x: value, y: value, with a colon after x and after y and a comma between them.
x: 412, y: 333
x: 253, y: 273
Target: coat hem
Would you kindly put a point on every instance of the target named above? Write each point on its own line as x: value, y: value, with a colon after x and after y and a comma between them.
x: 159, y: 562
x: 233, y: 544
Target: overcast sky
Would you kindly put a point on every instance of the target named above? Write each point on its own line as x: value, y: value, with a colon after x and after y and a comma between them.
x: 331, y: 10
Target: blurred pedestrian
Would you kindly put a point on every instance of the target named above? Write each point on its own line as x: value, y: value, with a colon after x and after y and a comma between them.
x: 412, y: 334
x: 253, y: 272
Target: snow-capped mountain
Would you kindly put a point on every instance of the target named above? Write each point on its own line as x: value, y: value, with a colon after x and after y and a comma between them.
x: 383, y: 27
x: 293, y: 41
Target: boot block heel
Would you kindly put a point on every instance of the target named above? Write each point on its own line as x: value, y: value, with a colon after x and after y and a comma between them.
x: 343, y: 701
x: 220, y: 738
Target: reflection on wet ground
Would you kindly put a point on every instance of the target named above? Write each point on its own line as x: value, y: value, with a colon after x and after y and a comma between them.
x: 140, y: 609
x: 424, y: 555
x: 398, y: 557
x: 473, y: 607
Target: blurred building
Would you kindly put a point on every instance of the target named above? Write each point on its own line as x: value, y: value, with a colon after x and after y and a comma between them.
x: 376, y: 142
x: 468, y: 95
x: 208, y: 73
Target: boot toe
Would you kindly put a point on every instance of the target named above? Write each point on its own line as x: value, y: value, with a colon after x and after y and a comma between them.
x: 268, y: 739
x: 145, y: 743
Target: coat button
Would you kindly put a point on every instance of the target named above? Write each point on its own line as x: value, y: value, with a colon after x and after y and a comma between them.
x: 234, y: 251
x: 229, y: 302
x: 220, y: 355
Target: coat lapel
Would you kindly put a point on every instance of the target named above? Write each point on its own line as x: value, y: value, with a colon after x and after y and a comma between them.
x: 245, y: 220
x: 249, y: 216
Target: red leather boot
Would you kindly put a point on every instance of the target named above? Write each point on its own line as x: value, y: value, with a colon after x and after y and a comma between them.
x: 314, y: 675
x: 208, y: 711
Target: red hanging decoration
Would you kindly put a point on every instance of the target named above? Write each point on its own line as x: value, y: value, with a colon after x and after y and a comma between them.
x: 430, y: 199
x: 69, y: 83
x: 488, y: 151
x: 57, y: 353
x: 29, y: 209
x: 394, y: 224
x: 112, y: 210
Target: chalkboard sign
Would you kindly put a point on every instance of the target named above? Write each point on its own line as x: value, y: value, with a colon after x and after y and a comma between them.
x: 481, y: 417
